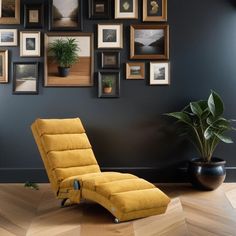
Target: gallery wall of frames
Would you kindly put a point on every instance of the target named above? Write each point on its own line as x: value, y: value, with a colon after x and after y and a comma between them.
x: 55, y: 45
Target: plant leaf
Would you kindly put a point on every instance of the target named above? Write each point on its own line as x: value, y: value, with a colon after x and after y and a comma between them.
x: 196, y: 109
x: 209, y: 133
x: 215, y: 104
x: 181, y: 116
x: 224, y: 138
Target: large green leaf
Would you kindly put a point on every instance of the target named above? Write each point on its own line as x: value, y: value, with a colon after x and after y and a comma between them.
x: 209, y: 133
x: 215, y: 104
x: 196, y: 109
x: 224, y: 138
x: 181, y: 116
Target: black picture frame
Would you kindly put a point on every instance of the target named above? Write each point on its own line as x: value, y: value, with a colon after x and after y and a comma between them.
x: 32, y: 12
x: 27, y: 72
x: 102, y: 12
x: 104, y: 77
x: 76, y: 23
x: 110, y: 60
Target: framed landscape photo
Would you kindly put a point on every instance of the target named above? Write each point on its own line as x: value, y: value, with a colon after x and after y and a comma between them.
x: 10, y: 12
x: 110, y: 35
x: 25, y: 77
x: 65, y: 15
x: 154, y: 10
x: 110, y: 60
x: 3, y: 66
x: 149, y: 42
x: 135, y: 70
x: 159, y: 73
x: 30, y: 42
x: 126, y: 9
x: 8, y: 37
x: 33, y: 16
x: 99, y: 9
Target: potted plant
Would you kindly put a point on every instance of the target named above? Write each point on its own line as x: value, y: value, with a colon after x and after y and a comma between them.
x: 205, y: 127
x: 66, y: 53
x: 107, y: 86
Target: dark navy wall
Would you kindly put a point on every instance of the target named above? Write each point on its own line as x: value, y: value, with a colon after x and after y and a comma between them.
x: 130, y: 133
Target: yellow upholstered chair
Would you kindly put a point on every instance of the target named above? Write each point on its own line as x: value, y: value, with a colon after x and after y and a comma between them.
x: 74, y: 173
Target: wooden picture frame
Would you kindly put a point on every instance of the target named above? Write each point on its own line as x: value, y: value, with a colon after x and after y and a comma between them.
x: 10, y: 12
x: 159, y: 73
x: 30, y: 43
x: 8, y: 37
x: 149, y: 42
x: 33, y: 16
x: 135, y: 70
x: 81, y: 73
x: 110, y: 60
x: 99, y: 9
x: 65, y: 15
x: 3, y: 66
x: 25, y: 78
x: 126, y: 9
x: 154, y: 10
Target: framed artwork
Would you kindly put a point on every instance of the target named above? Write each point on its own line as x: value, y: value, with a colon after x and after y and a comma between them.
x: 33, y: 16
x: 65, y: 15
x: 25, y: 77
x: 110, y: 60
x: 8, y: 37
x: 4, y: 66
x: 159, y: 73
x: 149, y: 42
x: 81, y: 73
x: 109, y: 84
x: 154, y: 10
x: 110, y: 36
x: 30, y: 42
x: 10, y: 12
x: 99, y: 9
x: 126, y: 9
x: 135, y: 70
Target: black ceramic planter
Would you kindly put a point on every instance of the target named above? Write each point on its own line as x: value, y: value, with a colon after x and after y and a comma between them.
x: 207, y: 176
x: 63, y: 71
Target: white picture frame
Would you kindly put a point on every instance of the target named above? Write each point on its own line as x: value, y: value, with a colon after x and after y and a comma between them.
x: 8, y: 37
x: 159, y: 73
x: 126, y: 9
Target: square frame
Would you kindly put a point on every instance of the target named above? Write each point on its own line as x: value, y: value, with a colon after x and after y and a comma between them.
x: 13, y: 39
x: 24, y: 83
x: 134, y: 75
x: 3, y: 66
x: 103, y: 13
x: 162, y: 76
x: 33, y: 16
x: 156, y: 43
x: 107, y: 58
x: 10, y: 20
x: 133, y: 14
x: 109, y: 92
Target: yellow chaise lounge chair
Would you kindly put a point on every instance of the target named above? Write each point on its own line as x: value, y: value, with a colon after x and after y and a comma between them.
x: 74, y: 173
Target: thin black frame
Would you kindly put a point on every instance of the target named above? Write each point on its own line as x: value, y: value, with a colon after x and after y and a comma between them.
x: 79, y: 18
x: 14, y: 78
x: 100, y: 87
x: 105, y: 15
x: 116, y: 54
x: 27, y: 8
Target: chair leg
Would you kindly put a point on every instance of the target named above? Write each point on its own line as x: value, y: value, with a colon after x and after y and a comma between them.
x: 63, y: 202
x: 116, y: 221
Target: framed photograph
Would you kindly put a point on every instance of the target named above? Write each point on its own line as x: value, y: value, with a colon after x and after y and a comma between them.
x: 159, y: 73
x: 126, y: 9
x: 33, y: 16
x: 149, y: 42
x: 154, y: 10
x: 110, y: 60
x: 109, y: 84
x: 3, y: 66
x: 25, y: 77
x: 81, y: 72
x: 8, y: 37
x: 99, y: 9
x: 30, y: 43
x: 135, y: 70
x: 110, y: 36
x: 10, y: 12
x: 65, y: 15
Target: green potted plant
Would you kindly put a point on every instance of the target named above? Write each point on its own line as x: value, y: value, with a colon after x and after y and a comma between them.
x: 66, y: 53
x: 107, y: 86
x: 205, y: 127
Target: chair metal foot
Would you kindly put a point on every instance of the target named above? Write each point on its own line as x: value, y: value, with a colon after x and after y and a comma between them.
x: 63, y: 202
x: 116, y: 220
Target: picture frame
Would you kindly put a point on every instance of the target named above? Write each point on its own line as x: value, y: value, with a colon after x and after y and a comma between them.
x: 3, y: 66
x: 25, y: 78
x: 154, y: 10
x: 65, y: 15
x: 99, y: 9
x: 110, y: 35
x: 126, y: 9
x: 81, y: 73
x: 149, y: 42
x: 8, y: 37
x: 135, y: 70
x: 109, y: 84
x: 33, y: 16
x: 110, y: 60
x: 10, y: 12
x: 159, y: 73
x: 30, y: 43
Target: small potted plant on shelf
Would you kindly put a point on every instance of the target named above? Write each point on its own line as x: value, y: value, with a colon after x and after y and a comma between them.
x: 66, y: 53
x: 205, y: 127
x: 107, y: 86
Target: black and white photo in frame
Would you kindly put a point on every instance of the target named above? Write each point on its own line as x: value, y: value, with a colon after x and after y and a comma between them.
x: 159, y: 73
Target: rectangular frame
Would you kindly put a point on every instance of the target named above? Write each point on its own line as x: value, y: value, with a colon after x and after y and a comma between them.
x: 131, y: 76
x: 3, y: 66
x: 13, y: 39
x: 126, y: 14
x: 26, y: 82
x: 33, y: 16
x: 81, y: 74
x: 103, y: 13
x: 162, y: 76
x: 156, y: 43
x: 11, y: 20
x: 106, y: 63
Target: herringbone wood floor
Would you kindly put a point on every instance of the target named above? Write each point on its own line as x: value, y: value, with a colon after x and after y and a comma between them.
x: 30, y: 212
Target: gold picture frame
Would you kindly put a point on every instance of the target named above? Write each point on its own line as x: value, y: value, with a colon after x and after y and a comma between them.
x: 126, y: 9
x: 10, y: 12
x: 135, y: 70
x: 3, y: 66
